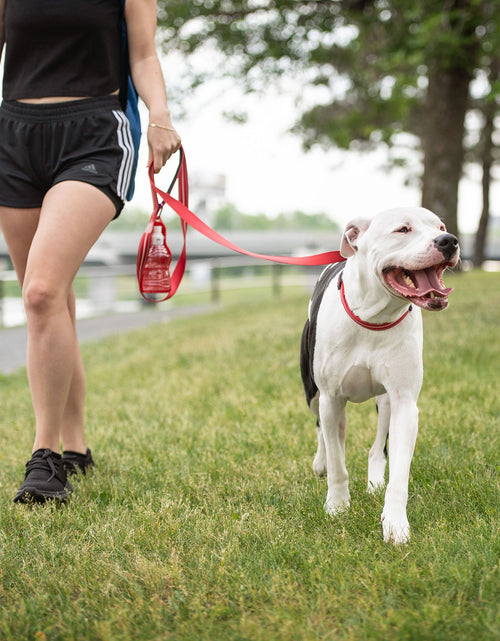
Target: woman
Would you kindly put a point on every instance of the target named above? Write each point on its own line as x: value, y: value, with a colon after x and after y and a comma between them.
x: 63, y: 178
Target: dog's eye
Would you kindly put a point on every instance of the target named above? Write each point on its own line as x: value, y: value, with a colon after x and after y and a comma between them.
x: 442, y: 228
x: 403, y: 230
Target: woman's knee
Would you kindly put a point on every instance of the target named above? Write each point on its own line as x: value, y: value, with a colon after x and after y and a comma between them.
x: 42, y: 297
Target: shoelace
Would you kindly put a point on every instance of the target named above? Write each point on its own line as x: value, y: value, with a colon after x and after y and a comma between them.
x: 42, y: 464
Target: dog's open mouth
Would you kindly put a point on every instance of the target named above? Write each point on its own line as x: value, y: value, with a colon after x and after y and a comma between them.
x: 422, y: 287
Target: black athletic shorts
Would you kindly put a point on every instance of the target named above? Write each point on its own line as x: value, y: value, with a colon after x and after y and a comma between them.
x: 87, y: 140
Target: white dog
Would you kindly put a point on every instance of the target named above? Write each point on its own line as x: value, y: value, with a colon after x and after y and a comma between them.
x: 363, y: 338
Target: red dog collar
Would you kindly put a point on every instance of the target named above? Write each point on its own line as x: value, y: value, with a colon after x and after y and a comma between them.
x: 376, y: 327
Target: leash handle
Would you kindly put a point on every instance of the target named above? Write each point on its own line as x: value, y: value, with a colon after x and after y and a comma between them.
x: 187, y: 217
x: 181, y: 177
x: 155, y: 221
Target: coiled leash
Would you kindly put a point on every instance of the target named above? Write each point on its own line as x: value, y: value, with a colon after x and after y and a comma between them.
x: 145, y: 244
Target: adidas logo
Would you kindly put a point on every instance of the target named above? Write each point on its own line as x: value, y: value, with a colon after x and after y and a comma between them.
x: 91, y: 169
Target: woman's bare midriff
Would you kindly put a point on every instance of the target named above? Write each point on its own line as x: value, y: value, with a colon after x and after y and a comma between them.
x: 54, y: 99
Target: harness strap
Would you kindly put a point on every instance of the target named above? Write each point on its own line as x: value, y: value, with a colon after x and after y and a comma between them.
x: 376, y: 327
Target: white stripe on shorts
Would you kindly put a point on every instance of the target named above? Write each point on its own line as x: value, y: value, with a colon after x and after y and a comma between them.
x: 127, y: 146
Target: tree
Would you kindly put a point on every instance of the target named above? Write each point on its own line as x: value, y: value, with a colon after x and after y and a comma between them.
x: 228, y: 218
x: 384, y: 67
x: 486, y: 153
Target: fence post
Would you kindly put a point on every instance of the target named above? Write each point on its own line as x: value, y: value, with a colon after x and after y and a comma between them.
x: 215, y: 284
x: 276, y: 271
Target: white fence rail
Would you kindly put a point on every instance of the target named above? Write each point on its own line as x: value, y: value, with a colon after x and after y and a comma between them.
x: 202, y: 276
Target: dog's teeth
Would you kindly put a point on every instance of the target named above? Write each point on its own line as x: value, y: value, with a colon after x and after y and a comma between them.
x: 409, y: 281
x: 432, y: 295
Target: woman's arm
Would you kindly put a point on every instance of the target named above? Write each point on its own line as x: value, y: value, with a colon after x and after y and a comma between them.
x: 147, y: 75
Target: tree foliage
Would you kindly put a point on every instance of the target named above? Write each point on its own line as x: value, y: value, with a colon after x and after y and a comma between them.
x: 374, y: 69
x: 229, y: 218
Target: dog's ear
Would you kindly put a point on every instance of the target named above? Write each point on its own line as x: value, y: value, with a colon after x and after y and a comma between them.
x: 352, y: 232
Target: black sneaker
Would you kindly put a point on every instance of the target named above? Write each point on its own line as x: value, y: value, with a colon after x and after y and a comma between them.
x: 75, y: 462
x: 45, y: 479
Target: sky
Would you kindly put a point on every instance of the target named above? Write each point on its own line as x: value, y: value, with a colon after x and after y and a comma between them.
x: 267, y: 171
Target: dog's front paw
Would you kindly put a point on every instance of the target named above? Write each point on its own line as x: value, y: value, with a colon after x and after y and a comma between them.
x: 337, y: 503
x: 319, y: 465
x: 375, y: 486
x: 396, y: 531
x: 376, y: 474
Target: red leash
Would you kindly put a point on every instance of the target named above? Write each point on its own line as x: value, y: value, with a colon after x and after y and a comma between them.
x: 187, y: 217
x: 180, y: 206
x: 181, y: 178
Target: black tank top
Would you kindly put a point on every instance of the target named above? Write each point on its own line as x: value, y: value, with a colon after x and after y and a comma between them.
x: 61, y: 48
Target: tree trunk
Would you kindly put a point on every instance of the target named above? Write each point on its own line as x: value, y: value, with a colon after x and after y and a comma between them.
x: 444, y: 121
x: 482, y: 230
x: 487, y: 148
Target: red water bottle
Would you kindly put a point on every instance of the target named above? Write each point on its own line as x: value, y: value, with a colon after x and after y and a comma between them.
x: 156, y: 274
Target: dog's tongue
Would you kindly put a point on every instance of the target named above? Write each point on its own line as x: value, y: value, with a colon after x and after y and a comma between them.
x: 428, y: 281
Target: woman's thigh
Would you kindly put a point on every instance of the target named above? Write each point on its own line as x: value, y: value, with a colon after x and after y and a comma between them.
x: 73, y: 216
x: 18, y: 228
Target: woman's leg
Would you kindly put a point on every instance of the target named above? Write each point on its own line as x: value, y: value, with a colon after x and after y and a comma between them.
x: 73, y: 431
x: 72, y: 217
x: 19, y: 227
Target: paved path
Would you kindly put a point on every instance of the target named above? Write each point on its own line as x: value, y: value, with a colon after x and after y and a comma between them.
x: 13, y: 339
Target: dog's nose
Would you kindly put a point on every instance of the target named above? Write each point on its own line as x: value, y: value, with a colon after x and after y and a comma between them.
x: 447, y: 245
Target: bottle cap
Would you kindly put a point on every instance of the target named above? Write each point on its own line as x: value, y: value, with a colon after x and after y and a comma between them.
x: 157, y: 236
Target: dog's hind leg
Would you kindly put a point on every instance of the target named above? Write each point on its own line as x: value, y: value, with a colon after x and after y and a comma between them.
x: 377, y: 458
x: 319, y: 463
x: 333, y: 426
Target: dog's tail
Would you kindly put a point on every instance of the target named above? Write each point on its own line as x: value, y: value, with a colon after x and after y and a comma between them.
x: 306, y: 362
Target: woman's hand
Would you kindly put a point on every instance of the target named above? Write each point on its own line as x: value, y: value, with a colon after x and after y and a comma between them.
x: 163, y: 141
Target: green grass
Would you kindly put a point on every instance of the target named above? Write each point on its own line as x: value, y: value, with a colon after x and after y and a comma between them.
x: 204, y: 520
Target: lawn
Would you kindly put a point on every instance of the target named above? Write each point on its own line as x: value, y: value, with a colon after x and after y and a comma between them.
x: 204, y: 520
